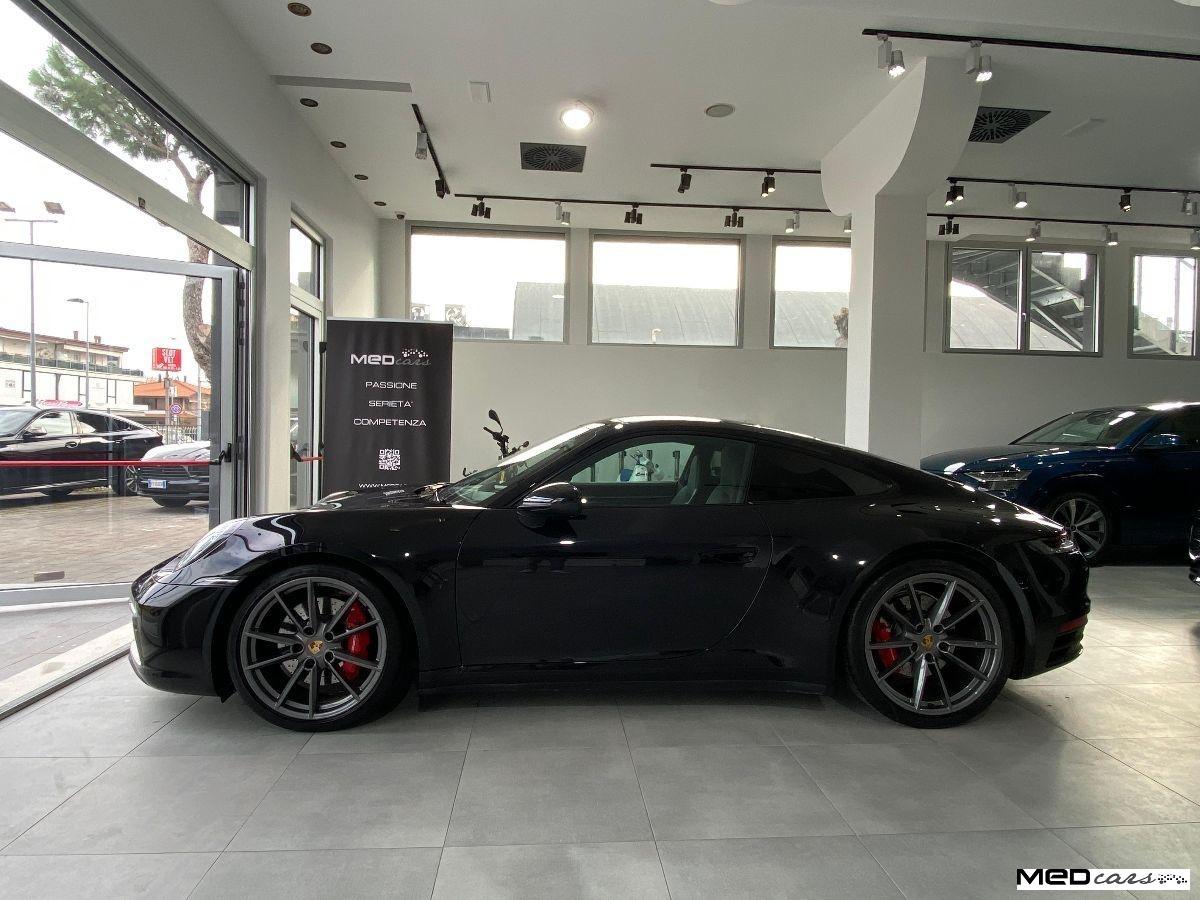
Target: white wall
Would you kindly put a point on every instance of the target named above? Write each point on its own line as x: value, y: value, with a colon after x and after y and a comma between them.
x: 201, y: 62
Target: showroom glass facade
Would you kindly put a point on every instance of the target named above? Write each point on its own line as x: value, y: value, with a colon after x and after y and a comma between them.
x: 666, y: 290
x: 119, y: 354
x: 491, y: 284
x: 1163, y: 321
x: 1004, y: 300
x: 811, y: 295
x: 306, y: 263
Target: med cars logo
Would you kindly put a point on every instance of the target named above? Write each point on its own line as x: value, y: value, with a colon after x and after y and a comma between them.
x: 409, y: 357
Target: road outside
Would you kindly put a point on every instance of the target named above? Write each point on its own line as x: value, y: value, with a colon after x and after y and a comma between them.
x: 91, y: 536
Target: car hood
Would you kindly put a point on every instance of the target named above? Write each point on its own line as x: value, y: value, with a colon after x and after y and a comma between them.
x: 977, y: 458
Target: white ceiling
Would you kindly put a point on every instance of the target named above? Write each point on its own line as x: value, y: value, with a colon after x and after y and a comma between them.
x: 799, y: 72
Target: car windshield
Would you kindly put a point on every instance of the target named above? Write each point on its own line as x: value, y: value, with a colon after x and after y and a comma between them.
x: 482, y: 485
x: 1094, y: 427
x: 13, y: 420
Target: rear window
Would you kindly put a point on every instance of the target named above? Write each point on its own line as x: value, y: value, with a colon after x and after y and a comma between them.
x: 785, y: 476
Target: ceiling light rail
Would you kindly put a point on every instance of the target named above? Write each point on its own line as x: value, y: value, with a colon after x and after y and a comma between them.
x: 441, y: 185
x: 970, y: 39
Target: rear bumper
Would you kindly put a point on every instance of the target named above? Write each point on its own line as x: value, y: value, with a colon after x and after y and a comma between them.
x: 174, y: 487
x: 172, y: 635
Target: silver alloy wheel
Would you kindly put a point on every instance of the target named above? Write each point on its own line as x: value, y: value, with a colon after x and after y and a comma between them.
x: 293, y: 649
x: 129, y: 474
x: 1086, y: 521
x: 933, y: 644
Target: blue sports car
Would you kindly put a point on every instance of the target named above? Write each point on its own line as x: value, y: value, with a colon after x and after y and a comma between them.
x: 1116, y: 475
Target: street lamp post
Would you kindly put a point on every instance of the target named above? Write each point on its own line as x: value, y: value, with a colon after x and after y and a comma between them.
x: 87, y: 343
x: 54, y: 209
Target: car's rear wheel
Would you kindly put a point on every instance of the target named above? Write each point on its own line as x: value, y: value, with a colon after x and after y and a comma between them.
x: 929, y: 644
x: 1088, y: 520
x: 317, y: 648
x: 122, y: 480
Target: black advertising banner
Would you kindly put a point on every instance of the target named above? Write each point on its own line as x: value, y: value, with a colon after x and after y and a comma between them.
x: 387, y: 403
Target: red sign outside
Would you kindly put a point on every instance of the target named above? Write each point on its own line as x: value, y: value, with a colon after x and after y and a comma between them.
x: 166, y: 359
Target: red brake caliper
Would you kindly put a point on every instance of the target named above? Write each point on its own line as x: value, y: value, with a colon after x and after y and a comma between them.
x: 357, y: 644
x: 881, y: 631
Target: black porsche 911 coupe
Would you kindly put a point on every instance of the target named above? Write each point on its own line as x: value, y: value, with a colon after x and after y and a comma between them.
x: 630, y: 550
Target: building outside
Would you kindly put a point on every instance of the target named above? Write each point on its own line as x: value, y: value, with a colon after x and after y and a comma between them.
x: 157, y: 397
x: 63, y: 371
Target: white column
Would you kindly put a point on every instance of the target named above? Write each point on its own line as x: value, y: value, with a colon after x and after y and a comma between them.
x: 882, y: 173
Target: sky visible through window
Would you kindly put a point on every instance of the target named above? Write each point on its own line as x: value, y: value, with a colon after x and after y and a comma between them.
x: 128, y: 309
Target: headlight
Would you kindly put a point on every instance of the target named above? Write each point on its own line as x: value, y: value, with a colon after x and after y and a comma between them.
x: 999, y: 480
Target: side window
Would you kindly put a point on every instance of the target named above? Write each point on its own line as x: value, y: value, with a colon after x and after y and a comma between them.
x: 785, y: 476
x: 1186, y: 424
x: 92, y: 422
x: 55, y: 424
x: 684, y: 471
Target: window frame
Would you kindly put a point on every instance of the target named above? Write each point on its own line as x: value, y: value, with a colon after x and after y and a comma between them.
x: 1026, y: 251
x: 321, y: 253
x: 802, y: 242
x: 669, y: 237
x: 1131, y: 317
x: 498, y: 230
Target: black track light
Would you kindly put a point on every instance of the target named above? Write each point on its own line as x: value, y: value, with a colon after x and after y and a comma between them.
x: 734, y: 220
x: 481, y: 210
x: 1126, y: 202
x: 768, y: 185
x: 685, y: 181
x: 949, y: 227
x: 439, y: 187
x: 633, y: 217
x: 955, y: 193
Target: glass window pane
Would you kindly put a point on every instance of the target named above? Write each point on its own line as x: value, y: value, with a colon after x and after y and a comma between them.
x: 1164, y: 305
x: 304, y: 259
x: 48, y: 72
x: 303, y: 365
x: 812, y: 295
x: 666, y: 472
x: 492, y: 286
x: 985, y: 294
x: 665, y: 292
x: 1062, y: 301
x: 785, y: 476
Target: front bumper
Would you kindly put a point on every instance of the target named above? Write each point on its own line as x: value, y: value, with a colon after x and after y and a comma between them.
x: 1054, y: 586
x: 174, y: 487
x: 172, y: 634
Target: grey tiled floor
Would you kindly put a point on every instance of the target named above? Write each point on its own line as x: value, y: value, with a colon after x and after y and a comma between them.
x: 109, y: 789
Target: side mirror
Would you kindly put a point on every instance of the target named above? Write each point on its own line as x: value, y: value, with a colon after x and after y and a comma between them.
x: 559, y: 500
x: 33, y: 433
x: 1160, y: 441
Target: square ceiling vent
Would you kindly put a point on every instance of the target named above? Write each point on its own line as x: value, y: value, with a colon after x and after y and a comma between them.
x: 996, y: 124
x: 552, y: 157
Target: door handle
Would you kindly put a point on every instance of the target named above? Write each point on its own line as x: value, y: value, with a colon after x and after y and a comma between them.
x: 71, y: 445
x: 735, y: 556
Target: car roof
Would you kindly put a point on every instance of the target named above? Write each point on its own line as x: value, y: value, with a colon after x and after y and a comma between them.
x: 1158, y: 406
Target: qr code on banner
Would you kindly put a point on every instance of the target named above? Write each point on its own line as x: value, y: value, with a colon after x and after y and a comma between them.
x: 389, y: 460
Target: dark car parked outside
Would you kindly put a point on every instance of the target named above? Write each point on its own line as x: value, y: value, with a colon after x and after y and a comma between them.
x: 638, y: 549
x: 1115, y: 475
x: 33, y: 435
x: 176, y: 486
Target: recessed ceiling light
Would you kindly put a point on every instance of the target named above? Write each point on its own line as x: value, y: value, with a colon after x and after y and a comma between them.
x: 323, y: 49
x: 300, y: 9
x: 309, y: 102
x: 381, y: 203
x: 577, y: 116
x: 719, y: 110
x: 361, y: 177
x: 341, y: 145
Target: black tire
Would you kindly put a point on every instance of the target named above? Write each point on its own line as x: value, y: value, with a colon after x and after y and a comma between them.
x: 387, y: 686
x: 171, y: 502
x: 1059, y: 508
x: 122, y: 481
x: 863, y: 665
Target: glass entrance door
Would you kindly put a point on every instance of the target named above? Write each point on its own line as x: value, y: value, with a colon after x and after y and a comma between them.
x: 119, y: 406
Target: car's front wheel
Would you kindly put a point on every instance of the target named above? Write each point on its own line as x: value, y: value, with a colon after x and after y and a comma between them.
x: 929, y: 644
x: 317, y: 648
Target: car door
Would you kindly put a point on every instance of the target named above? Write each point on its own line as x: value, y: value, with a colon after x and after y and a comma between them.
x: 1168, y: 466
x: 94, y: 441
x: 664, y: 560
x: 50, y: 436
